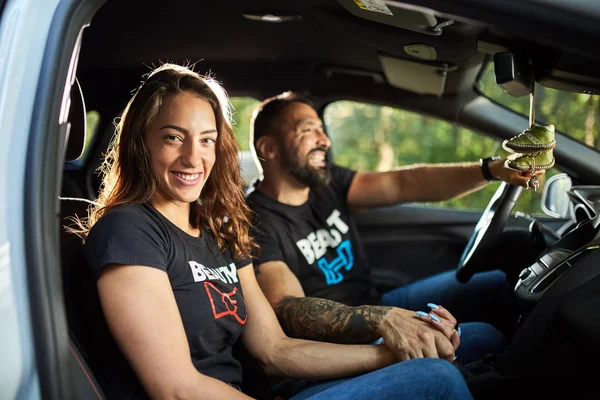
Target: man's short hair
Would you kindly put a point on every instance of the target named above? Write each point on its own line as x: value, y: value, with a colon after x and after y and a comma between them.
x: 265, y: 117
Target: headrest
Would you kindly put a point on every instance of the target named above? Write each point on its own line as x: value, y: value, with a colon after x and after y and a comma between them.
x: 76, y: 135
x: 248, y: 167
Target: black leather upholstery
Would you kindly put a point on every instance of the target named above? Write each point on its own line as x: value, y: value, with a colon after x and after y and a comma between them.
x: 75, y: 288
x: 83, y: 383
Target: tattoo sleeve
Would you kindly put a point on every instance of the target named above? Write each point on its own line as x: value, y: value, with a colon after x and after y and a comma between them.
x: 329, y: 321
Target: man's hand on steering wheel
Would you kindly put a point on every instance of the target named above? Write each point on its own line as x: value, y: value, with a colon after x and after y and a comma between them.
x: 493, y: 219
x: 511, y: 176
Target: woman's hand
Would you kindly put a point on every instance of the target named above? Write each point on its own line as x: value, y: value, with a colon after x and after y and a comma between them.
x: 410, y: 336
x: 444, y: 321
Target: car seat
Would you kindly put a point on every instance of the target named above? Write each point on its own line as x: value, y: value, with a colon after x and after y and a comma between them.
x: 83, y: 383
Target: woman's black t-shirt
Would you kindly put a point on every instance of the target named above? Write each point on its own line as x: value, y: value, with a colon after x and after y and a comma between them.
x: 204, y: 281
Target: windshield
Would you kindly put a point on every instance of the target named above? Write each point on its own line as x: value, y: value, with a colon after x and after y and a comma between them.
x: 574, y: 114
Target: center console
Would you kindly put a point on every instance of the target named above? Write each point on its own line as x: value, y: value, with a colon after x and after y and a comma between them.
x: 536, y: 279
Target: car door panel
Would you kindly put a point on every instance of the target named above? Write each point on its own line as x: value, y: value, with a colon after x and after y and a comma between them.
x: 409, y: 242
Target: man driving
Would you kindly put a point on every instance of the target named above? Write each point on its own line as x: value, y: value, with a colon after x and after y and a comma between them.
x: 311, y: 264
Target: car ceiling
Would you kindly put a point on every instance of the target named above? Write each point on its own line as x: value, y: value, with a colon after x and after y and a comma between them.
x: 248, y: 55
x: 330, y: 52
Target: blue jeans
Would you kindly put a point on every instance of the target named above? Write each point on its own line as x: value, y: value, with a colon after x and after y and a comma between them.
x: 485, y: 298
x: 425, y: 378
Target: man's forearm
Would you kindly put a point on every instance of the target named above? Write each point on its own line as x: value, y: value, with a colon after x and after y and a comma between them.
x: 329, y: 321
x: 415, y: 183
x: 438, y: 182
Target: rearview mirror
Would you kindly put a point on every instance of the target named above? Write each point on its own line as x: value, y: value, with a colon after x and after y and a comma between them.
x: 512, y: 73
x: 555, y: 200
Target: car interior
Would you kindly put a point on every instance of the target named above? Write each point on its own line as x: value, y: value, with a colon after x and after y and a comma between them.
x: 424, y: 57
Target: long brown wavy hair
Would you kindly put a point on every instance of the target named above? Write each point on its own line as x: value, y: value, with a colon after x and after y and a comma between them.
x: 128, y: 179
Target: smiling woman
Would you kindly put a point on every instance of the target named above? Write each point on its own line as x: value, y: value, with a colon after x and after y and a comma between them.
x: 174, y: 145
x: 171, y: 124
x: 181, y: 147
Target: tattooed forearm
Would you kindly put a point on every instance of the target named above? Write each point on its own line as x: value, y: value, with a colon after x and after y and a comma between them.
x: 329, y: 321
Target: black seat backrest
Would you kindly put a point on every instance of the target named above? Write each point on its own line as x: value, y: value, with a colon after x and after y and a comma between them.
x: 79, y: 293
x: 73, y: 268
x: 83, y: 383
x: 76, y: 287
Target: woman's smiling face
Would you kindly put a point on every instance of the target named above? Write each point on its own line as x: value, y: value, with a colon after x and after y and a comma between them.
x: 181, y: 143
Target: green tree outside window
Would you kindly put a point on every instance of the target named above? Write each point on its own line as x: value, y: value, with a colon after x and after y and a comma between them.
x: 242, y: 113
x: 369, y: 137
x: 574, y: 114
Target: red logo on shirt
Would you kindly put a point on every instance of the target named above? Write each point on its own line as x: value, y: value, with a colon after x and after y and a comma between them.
x: 225, y: 303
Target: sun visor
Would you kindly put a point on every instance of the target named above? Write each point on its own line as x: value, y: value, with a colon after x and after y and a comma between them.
x: 421, y: 78
x: 397, y: 14
x: 572, y: 74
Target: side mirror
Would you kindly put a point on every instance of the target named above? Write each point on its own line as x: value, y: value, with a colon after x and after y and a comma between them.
x: 555, y: 200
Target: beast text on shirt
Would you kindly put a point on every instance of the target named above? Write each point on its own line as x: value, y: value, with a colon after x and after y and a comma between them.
x: 227, y: 273
x: 314, y: 247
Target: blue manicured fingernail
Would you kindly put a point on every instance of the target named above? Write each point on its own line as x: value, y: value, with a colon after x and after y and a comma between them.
x: 459, y: 331
x: 422, y: 314
x: 433, y: 317
x: 431, y: 305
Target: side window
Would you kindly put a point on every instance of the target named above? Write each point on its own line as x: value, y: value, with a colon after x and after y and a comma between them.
x: 368, y: 137
x: 573, y: 114
x: 242, y: 112
x: 92, y: 119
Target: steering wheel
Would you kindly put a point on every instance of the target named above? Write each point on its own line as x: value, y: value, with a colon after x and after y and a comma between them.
x: 487, y: 231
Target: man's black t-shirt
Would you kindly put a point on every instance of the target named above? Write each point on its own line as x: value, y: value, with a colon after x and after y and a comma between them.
x: 317, y: 240
x: 204, y: 281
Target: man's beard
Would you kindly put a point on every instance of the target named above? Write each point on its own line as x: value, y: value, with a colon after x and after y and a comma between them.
x: 304, y: 172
